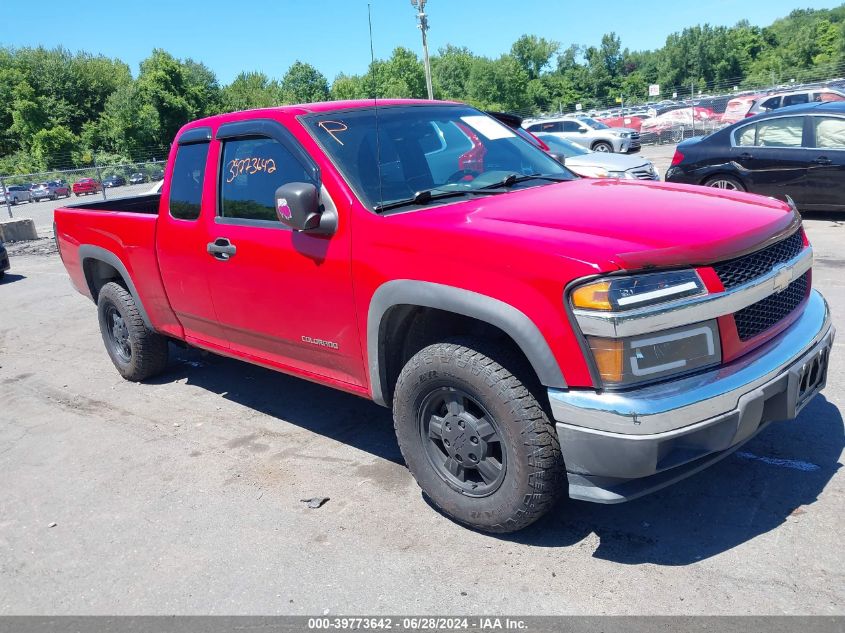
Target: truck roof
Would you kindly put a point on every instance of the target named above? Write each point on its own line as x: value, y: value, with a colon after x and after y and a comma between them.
x: 320, y: 106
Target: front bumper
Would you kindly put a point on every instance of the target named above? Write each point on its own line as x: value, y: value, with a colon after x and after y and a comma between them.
x: 621, y: 445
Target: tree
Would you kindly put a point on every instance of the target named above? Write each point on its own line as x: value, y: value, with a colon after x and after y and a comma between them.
x: 55, y: 148
x: 450, y: 70
x: 251, y: 90
x: 534, y: 54
x: 348, y: 87
x: 303, y: 83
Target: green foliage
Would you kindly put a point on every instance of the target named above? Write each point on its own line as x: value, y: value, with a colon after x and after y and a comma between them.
x: 60, y: 109
x: 251, y: 90
x: 303, y: 83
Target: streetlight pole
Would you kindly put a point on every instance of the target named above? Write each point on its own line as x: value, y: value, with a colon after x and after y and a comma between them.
x: 419, y: 5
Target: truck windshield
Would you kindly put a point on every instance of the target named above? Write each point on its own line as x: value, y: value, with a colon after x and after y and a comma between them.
x: 394, y: 154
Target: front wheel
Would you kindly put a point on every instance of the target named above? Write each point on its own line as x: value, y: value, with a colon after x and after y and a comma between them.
x: 725, y: 182
x: 137, y: 352
x: 601, y: 146
x: 475, y: 438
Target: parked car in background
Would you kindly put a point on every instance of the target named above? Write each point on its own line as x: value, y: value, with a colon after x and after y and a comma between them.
x: 4, y: 260
x: 52, y: 189
x: 628, y: 121
x: 674, y: 125
x: 737, y: 108
x: 599, y: 164
x: 16, y: 194
x: 137, y: 178
x: 86, y: 186
x: 768, y: 103
x: 797, y: 152
x: 114, y: 181
x: 158, y: 174
x: 589, y: 133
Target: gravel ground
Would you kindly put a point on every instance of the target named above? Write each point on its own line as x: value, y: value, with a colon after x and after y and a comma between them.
x: 183, y: 495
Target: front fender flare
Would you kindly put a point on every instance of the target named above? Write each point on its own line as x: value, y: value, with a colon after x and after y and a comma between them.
x: 460, y: 301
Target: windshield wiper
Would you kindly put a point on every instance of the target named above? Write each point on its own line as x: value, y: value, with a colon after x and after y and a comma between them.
x: 511, y: 179
x: 425, y: 196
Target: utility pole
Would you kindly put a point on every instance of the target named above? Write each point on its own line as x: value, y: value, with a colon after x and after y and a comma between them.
x: 422, y: 18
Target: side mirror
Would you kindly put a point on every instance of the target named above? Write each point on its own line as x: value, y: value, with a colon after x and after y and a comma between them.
x: 582, y: 130
x: 298, y: 206
x: 558, y: 157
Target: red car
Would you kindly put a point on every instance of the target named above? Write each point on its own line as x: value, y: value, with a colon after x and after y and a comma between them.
x: 534, y: 333
x: 87, y: 185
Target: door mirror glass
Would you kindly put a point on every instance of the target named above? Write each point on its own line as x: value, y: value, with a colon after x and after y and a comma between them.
x: 298, y: 206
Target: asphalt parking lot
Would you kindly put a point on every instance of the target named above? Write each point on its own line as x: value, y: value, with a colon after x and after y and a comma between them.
x: 183, y: 495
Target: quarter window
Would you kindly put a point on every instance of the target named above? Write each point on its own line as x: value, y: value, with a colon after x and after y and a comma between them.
x: 830, y: 132
x: 251, y: 171
x: 186, y: 181
x: 747, y: 136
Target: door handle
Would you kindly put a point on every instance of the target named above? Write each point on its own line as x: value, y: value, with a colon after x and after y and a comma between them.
x: 745, y: 156
x: 822, y: 160
x: 221, y: 249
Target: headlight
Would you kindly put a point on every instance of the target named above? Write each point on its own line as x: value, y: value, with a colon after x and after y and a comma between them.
x: 624, y: 134
x: 591, y: 172
x: 628, y: 361
x: 647, y: 357
x: 616, y: 174
x: 637, y: 291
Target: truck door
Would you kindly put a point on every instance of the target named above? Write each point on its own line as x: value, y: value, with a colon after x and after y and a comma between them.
x: 181, y: 238
x: 280, y: 296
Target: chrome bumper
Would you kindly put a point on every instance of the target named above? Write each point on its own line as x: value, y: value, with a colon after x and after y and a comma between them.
x: 621, y: 445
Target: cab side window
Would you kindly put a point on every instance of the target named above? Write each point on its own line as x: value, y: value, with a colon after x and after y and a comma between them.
x: 571, y: 126
x: 251, y: 170
x: 186, y: 181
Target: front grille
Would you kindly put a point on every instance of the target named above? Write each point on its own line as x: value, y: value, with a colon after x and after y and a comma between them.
x: 644, y: 174
x: 736, y: 272
x: 760, y: 316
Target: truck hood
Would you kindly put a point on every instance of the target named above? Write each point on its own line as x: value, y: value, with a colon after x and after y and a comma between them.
x: 628, y: 224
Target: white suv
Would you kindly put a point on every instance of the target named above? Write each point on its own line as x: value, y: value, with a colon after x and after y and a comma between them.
x: 588, y: 132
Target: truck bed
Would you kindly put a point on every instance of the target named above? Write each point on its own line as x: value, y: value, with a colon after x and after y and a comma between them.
x: 145, y: 203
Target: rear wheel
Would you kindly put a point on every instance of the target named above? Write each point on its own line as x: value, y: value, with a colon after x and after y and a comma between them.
x: 137, y: 352
x: 725, y: 182
x: 475, y: 438
x: 602, y: 146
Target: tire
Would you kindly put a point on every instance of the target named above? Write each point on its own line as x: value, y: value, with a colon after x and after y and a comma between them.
x: 723, y: 181
x: 602, y: 146
x: 137, y: 352
x: 450, y: 384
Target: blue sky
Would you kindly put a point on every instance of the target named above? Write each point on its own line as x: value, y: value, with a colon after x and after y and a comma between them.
x: 234, y: 35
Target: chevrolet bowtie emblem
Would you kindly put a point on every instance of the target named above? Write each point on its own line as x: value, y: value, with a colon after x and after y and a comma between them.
x: 783, y: 278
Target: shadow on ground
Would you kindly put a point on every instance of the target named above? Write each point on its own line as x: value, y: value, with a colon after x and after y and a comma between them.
x: 775, y: 477
x: 10, y: 278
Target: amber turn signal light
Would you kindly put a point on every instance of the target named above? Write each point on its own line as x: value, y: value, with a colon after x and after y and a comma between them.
x: 592, y: 296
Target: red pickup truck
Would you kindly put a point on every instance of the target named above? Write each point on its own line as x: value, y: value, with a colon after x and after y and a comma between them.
x: 534, y: 332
